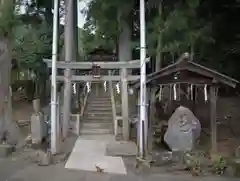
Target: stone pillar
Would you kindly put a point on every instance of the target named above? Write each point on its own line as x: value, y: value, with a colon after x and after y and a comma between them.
x: 125, y: 113
x: 69, y: 55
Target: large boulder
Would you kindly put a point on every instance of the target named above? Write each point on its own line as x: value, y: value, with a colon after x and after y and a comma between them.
x: 183, y: 130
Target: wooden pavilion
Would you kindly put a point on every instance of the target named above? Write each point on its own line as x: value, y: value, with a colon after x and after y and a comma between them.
x: 185, y: 74
x: 100, y: 54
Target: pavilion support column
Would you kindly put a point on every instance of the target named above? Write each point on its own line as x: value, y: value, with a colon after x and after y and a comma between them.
x: 213, y: 102
x: 125, y: 111
x: 69, y: 45
x: 147, y: 123
x: 152, y: 119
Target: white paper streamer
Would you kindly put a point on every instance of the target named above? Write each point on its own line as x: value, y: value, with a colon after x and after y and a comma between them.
x: 205, y: 93
x: 160, y: 93
x: 105, y: 86
x: 131, y: 91
x: 174, y: 92
x: 118, y: 88
x: 191, y: 91
x: 74, y: 88
x: 88, y: 87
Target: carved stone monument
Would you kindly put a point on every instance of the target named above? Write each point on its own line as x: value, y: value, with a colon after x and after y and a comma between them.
x: 183, y: 130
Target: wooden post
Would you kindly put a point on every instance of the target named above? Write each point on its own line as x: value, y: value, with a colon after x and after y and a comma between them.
x: 151, y: 120
x: 125, y: 115
x: 138, y: 124
x: 58, y: 126
x: 213, y: 101
x: 147, y: 124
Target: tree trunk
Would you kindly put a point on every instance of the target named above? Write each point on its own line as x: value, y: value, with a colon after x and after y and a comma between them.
x: 173, y: 56
x: 48, y: 13
x: 75, y: 30
x: 8, y: 129
x: 191, y: 52
x: 159, y: 43
x: 69, y: 55
x: 125, y: 54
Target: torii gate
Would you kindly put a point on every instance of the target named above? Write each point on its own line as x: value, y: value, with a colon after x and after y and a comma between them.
x: 133, y: 64
x: 70, y: 55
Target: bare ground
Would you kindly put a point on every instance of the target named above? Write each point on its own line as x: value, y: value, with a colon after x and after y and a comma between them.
x: 21, y: 165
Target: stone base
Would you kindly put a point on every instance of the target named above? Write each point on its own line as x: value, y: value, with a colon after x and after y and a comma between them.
x: 5, y: 150
x: 44, y: 158
x: 122, y: 148
x: 237, y: 168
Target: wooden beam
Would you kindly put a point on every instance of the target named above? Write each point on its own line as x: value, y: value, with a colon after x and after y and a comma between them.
x: 88, y: 65
x: 213, y: 103
x: 89, y: 78
x: 207, y: 72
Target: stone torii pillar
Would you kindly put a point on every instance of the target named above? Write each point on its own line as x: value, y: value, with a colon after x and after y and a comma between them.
x: 69, y: 55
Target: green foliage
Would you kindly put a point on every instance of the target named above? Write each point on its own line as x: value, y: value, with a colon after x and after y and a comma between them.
x: 32, y: 43
x: 104, y: 22
x: 7, y: 17
x: 219, y: 165
x: 193, y: 163
x: 180, y: 28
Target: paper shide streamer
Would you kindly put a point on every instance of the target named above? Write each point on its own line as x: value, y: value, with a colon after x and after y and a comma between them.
x: 88, y: 87
x: 160, y: 93
x: 205, y: 93
x: 118, y: 88
x: 105, y: 86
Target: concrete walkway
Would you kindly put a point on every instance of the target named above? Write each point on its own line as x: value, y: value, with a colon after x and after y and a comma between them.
x: 89, y: 154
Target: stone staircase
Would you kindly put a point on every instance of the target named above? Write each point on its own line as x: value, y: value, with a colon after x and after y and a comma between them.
x: 98, y: 118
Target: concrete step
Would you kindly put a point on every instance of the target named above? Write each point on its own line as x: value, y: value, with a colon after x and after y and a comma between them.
x: 97, y: 121
x: 98, y: 108
x: 97, y: 125
x: 99, y: 100
x: 96, y: 117
x: 99, y: 113
x: 95, y: 131
x: 99, y: 103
